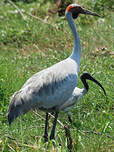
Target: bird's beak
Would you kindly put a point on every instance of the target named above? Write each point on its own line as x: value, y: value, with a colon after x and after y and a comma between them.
x: 95, y: 81
x: 84, y: 11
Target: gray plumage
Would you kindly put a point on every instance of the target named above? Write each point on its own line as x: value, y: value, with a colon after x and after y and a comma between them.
x: 51, y: 88
x: 46, y: 90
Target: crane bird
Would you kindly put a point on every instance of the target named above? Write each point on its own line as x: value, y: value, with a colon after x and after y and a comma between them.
x: 50, y: 88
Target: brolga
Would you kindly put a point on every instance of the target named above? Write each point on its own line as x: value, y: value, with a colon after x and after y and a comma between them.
x: 49, y: 89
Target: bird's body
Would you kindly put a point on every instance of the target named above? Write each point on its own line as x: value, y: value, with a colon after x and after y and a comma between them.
x: 77, y: 94
x: 49, y: 90
x: 50, y: 86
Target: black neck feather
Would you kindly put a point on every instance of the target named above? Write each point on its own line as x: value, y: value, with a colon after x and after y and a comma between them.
x: 83, y: 79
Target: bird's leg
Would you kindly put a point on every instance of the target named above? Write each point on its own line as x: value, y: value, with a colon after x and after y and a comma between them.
x: 69, y: 138
x: 46, y: 128
x: 52, y: 135
x: 69, y: 118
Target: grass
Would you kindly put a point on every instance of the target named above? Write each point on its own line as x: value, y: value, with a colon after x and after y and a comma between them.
x: 28, y: 46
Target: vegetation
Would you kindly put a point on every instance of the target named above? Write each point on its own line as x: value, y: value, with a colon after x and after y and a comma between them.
x: 28, y: 45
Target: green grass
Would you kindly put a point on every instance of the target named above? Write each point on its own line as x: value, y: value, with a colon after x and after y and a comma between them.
x: 28, y: 46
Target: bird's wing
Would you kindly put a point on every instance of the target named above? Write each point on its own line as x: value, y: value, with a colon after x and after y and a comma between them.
x: 50, y: 87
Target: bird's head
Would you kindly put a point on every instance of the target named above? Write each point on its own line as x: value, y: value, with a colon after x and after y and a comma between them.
x: 86, y: 76
x: 76, y: 9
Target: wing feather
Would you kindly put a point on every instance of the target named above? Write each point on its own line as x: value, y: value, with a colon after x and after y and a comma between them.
x: 50, y: 87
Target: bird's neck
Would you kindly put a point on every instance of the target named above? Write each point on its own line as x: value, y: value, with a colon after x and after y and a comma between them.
x: 76, y: 54
x: 86, y: 86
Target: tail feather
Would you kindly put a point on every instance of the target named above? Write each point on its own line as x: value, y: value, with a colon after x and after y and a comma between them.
x: 14, y: 108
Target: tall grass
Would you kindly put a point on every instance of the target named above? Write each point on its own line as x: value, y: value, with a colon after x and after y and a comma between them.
x: 28, y: 46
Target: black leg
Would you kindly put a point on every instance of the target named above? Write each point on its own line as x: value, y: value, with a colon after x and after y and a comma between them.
x: 69, y: 118
x: 46, y: 128
x: 52, y: 135
x: 69, y: 138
